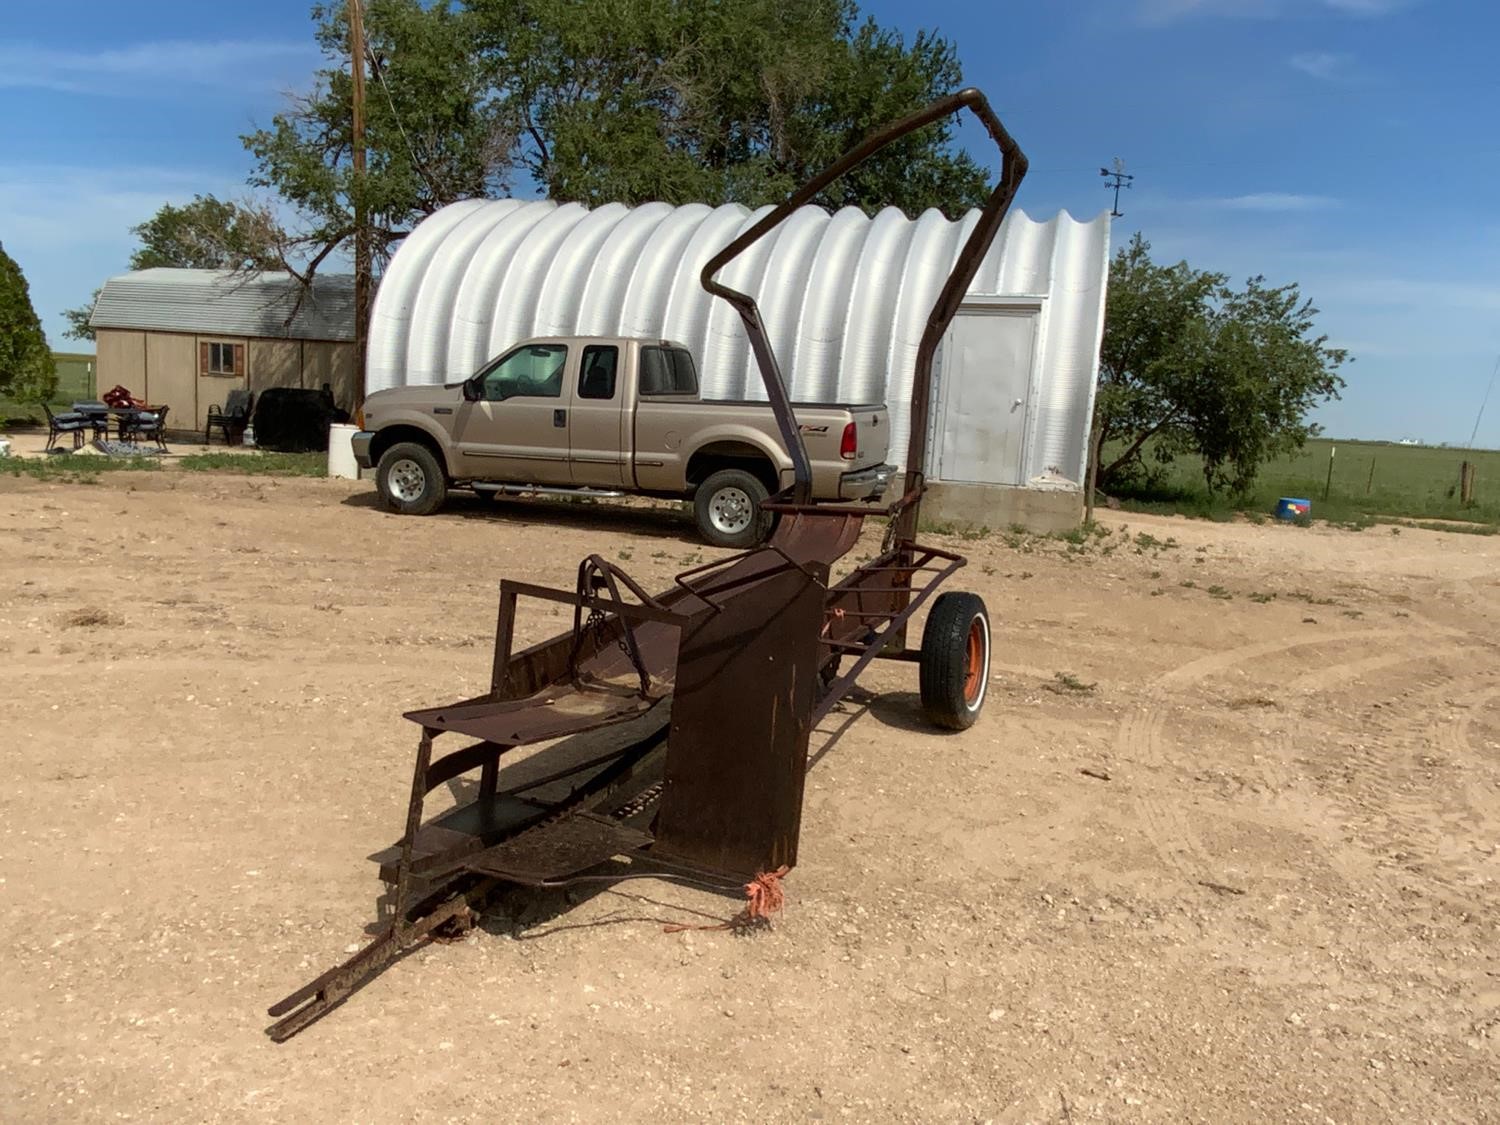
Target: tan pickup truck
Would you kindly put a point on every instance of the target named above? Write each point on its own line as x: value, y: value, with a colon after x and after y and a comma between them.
x: 593, y: 416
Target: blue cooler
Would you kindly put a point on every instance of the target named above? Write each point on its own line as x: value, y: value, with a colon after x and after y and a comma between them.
x: 1290, y: 508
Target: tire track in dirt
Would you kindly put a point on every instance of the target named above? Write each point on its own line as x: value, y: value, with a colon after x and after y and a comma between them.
x: 1406, y: 813
x: 1141, y: 737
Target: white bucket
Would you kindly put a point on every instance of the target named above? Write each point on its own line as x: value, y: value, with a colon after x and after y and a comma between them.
x: 341, y: 461
x: 4, y: 447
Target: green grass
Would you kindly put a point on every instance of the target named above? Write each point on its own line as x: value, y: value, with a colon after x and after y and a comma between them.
x: 74, y: 467
x: 75, y: 383
x: 1408, y: 482
x: 87, y: 467
x: 258, y: 464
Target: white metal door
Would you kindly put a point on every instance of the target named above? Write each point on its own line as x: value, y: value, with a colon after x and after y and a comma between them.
x: 986, y: 376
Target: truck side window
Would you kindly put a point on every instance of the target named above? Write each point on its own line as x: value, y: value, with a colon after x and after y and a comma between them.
x: 668, y: 371
x: 534, y: 371
x: 596, y: 377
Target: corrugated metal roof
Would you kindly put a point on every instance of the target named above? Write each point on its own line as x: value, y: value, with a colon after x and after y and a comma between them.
x: 844, y: 298
x: 228, y: 303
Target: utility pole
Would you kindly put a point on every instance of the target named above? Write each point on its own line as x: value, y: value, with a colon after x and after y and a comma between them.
x: 361, y: 224
x: 1116, y: 179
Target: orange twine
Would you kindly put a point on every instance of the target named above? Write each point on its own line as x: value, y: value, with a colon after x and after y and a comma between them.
x: 764, y: 897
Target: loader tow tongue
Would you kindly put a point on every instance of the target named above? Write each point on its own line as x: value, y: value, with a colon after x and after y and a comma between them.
x: 669, y: 733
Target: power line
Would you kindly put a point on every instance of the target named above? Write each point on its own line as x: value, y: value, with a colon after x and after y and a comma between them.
x: 1484, y: 403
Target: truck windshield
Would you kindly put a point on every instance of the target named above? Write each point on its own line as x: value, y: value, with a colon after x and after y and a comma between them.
x: 535, y: 371
x: 668, y: 371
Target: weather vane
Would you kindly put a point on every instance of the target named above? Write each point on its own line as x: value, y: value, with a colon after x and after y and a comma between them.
x: 1116, y: 179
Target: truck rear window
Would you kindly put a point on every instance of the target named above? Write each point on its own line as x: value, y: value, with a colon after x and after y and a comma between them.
x: 668, y: 371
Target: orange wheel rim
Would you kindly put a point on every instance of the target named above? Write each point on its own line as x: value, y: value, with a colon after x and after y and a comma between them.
x: 974, y: 674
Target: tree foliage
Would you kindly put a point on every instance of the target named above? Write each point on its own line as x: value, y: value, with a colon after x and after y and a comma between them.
x: 206, y: 233
x: 27, y: 370
x: 620, y: 100
x: 1189, y: 364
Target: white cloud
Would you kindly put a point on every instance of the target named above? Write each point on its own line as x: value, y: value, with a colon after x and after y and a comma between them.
x: 1327, y: 66
x: 69, y: 225
x: 1170, y: 11
x: 146, y: 68
x: 1366, y: 7
x: 1273, y: 201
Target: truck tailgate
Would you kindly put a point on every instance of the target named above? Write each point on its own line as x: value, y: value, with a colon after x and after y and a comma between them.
x: 872, y: 427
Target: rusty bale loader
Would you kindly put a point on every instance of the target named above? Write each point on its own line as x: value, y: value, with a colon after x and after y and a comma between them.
x: 709, y: 689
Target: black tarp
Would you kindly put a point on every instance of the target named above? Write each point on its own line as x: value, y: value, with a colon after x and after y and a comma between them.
x: 292, y: 420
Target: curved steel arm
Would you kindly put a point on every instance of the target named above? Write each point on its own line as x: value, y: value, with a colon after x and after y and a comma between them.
x: 1012, y: 169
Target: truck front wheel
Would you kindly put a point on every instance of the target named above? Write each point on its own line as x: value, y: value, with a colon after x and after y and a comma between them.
x: 410, y: 480
x: 727, y: 509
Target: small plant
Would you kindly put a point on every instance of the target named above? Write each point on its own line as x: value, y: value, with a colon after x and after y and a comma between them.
x: 1066, y: 682
x: 658, y: 554
x: 1155, y: 574
x: 1310, y: 599
x: 92, y: 619
x: 1262, y: 599
x: 1219, y: 592
x: 625, y: 554
x: 1247, y: 701
x: 1188, y: 584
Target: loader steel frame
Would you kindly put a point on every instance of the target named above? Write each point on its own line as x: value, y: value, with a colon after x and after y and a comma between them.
x: 758, y: 637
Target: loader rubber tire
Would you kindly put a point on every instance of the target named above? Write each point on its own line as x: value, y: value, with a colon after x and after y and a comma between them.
x: 410, y: 480
x: 955, y: 661
x: 726, y: 508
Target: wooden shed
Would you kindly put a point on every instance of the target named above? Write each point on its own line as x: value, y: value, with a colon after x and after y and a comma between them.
x: 186, y: 338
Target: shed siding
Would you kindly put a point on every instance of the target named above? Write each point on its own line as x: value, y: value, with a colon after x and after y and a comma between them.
x: 274, y: 363
x: 171, y: 377
x: 122, y: 360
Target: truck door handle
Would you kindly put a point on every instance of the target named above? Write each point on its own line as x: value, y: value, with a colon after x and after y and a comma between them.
x: 560, y: 419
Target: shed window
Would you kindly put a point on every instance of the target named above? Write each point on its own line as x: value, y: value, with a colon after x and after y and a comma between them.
x: 221, y: 359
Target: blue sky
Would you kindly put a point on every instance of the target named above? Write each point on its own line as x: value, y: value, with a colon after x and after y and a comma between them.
x: 1350, y: 145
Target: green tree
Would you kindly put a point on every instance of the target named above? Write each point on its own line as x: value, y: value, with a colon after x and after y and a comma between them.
x: 695, y: 100
x: 625, y: 100
x: 206, y: 233
x: 27, y: 370
x: 1190, y: 365
x: 435, y: 131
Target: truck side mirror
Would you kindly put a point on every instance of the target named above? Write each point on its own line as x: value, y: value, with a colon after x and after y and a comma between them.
x: 471, y: 391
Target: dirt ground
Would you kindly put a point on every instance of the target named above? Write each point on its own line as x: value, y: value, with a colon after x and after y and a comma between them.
x: 1280, y: 905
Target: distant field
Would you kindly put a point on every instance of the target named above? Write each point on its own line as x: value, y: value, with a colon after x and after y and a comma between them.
x: 1408, y: 481
x: 75, y: 382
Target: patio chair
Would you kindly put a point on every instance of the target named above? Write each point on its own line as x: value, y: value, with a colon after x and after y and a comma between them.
x: 232, y: 418
x: 150, y: 424
x: 69, y: 422
x: 98, y: 415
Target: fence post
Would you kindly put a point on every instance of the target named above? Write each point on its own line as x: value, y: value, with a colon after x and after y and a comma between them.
x: 1466, y: 482
x: 1369, y: 484
x: 1332, y: 449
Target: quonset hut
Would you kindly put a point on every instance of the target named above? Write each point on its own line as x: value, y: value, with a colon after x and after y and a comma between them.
x: 844, y: 298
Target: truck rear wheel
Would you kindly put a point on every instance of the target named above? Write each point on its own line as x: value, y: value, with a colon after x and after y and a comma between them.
x: 727, y: 509
x: 409, y: 480
x: 955, y: 662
